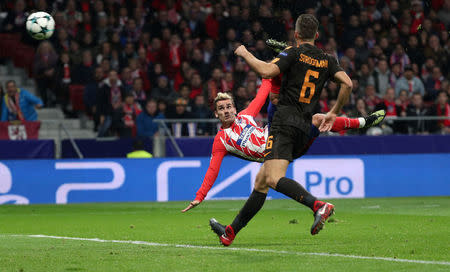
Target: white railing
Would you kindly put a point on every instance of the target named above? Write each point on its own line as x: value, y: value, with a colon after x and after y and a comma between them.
x: 166, y: 132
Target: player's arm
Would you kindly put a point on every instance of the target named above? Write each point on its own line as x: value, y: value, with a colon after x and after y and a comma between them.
x: 258, y: 102
x: 344, y: 93
x: 217, y: 155
x: 264, y: 69
x: 275, y: 90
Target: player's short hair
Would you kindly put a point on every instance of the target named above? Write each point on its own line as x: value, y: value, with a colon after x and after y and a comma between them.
x: 221, y: 97
x: 306, y: 26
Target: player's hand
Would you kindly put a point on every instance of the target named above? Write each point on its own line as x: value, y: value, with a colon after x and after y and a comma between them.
x: 241, y: 51
x: 327, y: 122
x: 191, y: 205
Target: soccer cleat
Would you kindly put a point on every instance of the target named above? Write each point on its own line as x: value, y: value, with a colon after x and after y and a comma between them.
x: 218, y: 228
x: 225, y: 233
x: 276, y: 45
x: 374, y: 118
x: 320, y: 216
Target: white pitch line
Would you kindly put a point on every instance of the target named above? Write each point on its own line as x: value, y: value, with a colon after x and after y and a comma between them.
x: 232, y: 249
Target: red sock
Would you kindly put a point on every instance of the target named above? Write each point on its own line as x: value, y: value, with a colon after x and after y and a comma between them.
x: 343, y: 123
x: 317, y: 205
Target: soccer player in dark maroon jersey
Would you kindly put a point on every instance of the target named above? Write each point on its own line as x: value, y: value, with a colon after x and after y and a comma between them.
x: 305, y: 70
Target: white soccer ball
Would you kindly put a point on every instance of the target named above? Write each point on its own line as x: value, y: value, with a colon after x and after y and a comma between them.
x: 40, y: 25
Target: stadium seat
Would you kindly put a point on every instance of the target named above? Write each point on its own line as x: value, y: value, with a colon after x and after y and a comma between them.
x: 8, y: 42
x: 23, y: 57
x: 76, y: 97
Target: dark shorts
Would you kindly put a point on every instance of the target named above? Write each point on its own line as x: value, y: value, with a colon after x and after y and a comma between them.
x: 288, y: 143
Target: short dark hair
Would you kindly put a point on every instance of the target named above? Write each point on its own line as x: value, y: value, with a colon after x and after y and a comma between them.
x: 137, y: 78
x: 408, y: 68
x: 183, y: 85
x: 306, y: 26
x: 10, y: 81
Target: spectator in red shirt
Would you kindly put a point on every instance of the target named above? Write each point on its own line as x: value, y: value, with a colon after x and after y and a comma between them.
x: 417, y: 14
x: 286, y: 19
x: 172, y: 11
x: 131, y: 110
x: 216, y: 85
x: 388, y: 104
x: 176, y: 55
x: 212, y: 22
x: 371, y: 98
x: 403, y: 101
x: 196, y: 85
x: 443, y: 109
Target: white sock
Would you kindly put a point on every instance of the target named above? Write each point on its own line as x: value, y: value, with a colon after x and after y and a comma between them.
x: 362, y: 122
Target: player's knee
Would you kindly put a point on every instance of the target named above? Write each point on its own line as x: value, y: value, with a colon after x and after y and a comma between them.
x: 261, y: 187
x: 271, y: 180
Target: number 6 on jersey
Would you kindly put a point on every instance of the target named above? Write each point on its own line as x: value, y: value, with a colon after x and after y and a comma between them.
x: 310, y: 85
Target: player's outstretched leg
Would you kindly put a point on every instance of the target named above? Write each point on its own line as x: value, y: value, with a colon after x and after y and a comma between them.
x: 344, y: 123
x: 225, y: 233
x: 374, y: 118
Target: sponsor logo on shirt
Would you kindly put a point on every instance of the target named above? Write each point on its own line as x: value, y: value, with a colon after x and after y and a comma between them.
x: 245, y: 135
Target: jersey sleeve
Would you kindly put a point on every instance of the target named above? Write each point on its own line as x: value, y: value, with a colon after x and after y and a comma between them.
x: 276, y: 84
x: 285, y: 59
x: 217, y: 154
x: 258, y: 102
x: 333, y: 66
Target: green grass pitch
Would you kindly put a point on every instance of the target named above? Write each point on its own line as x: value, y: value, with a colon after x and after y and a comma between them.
x: 396, y: 229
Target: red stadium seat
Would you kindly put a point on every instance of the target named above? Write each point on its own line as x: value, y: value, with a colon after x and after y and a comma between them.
x: 23, y: 56
x: 76, y: 97
x: 8, y: 43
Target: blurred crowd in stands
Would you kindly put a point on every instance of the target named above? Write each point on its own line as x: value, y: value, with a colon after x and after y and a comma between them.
x: 143, y: 60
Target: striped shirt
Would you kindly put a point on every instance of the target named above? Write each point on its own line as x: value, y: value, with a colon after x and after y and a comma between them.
x: 243, y: 139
